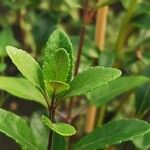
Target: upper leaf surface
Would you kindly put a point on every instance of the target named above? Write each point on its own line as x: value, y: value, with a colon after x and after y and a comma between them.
x: 107, y: 92
x: 91, y: 79
x: 27, y: 65
x: 22, y: 88
x: 57, y: 40
x: 60, y: 128
x: 112, y: 133
x: 18, y: 129
x: 58, y: 67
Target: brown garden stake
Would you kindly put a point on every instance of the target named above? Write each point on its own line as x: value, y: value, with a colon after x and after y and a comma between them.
x: 101, y: 22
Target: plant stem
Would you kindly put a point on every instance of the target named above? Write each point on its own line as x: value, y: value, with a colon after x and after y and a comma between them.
x: 51, y: 117
x: 122, y: 33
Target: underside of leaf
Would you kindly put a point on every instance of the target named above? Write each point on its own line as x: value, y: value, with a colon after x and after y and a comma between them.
x: 60, y: 128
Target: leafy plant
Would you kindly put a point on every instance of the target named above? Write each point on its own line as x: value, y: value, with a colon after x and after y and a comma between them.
x: 75, y: 103
x: 52, y: 82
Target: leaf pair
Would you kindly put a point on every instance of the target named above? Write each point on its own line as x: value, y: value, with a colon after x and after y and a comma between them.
x: 58, y: 58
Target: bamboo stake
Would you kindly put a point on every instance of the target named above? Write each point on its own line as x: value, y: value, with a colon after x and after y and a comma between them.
x: 101, y: 22
x: 124, y: 26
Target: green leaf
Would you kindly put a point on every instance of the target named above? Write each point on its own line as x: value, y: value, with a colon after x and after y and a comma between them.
x: 56, y: 87
x: 14, y: 4
x: 125, y: 3
x: 60, y: 128
x: 39, y: 130
x: 57, y: 40
x: 59, y: 142
x: 119, y: 86
x: 27, y: 65
x: 2, y: 67
x: 22, y: 88
x: 90, y: 79
x: 105, y: 3
x: 6, y: 38
x: 17, y: 128
x: 142, y: 99
x: 142, y: 142
x: 58, y: 68
x: 143, y: 8
x: 112, y: 133
x: 142, y: 21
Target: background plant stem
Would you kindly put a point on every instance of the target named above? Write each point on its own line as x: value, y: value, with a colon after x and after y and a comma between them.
x: 100, y: 115
x: 122, y: 33
x: 82, y: 35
